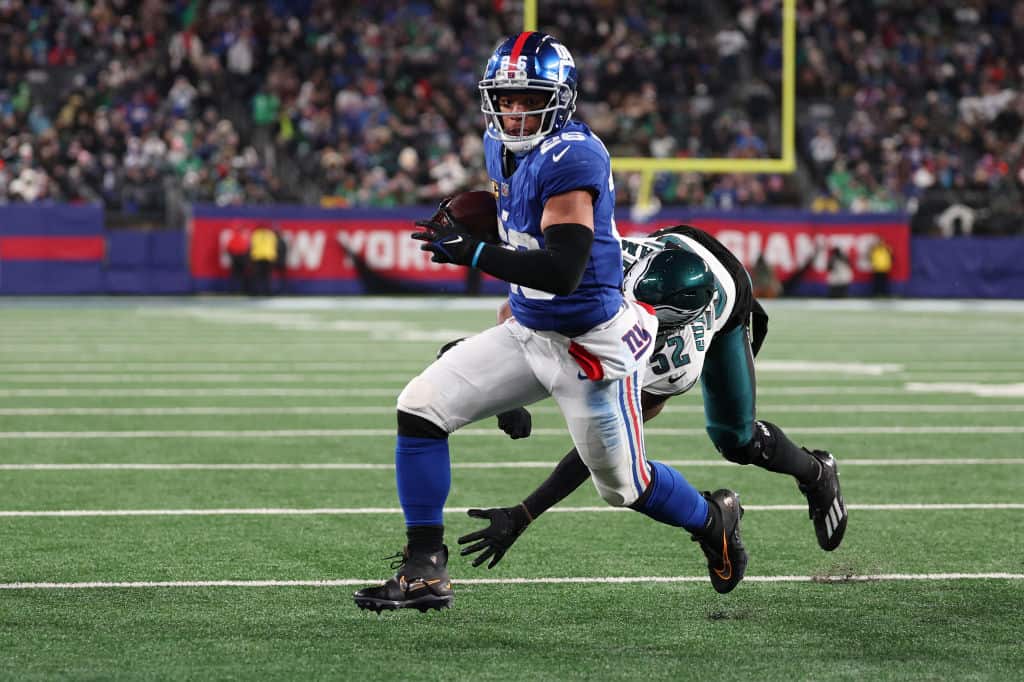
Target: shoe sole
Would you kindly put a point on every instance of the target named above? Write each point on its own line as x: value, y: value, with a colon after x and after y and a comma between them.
x: 423, y: 604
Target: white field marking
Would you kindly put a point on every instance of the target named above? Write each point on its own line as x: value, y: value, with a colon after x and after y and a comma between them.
x: 369, y: 466
x: 225, y: 366
x: 317, y: 365
x: 241, y: 376
x: 915, y: 408
x: 228, y: 346
x: 166, y: 307
x: 980, y: 390
x: 362, y: 511
x: 490, y: 433
x: 198, y: 411
x: 588, y: 580
x: 302, y: 375
x: 227, y: 372
x: 490, y: 303
x: 365, y: 392
x: 198, y: 392
x: 306, y: 304
x: 836, y: 367
x: 383, y: 330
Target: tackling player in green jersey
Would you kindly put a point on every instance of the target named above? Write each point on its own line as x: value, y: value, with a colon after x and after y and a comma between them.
x: 710, y: 328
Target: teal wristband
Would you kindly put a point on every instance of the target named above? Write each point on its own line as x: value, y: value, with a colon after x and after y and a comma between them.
x: 476, y: 254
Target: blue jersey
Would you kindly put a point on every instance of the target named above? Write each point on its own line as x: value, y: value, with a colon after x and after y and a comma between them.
x: 571, y: 159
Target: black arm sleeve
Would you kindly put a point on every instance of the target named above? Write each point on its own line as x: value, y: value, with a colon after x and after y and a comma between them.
x: 568, y: 475
x: 557, y: 269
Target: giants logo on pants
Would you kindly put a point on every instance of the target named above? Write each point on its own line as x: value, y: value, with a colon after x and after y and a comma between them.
x: 638, y: 339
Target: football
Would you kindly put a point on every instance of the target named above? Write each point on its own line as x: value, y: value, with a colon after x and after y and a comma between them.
x: 477, y: 211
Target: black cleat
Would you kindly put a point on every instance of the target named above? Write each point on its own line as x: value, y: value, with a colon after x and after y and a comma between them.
x: 721, y: 544
x: 825, y: 502
x: 421, y: 582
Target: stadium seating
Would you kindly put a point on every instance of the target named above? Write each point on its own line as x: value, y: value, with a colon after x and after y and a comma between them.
x: 147, y: 106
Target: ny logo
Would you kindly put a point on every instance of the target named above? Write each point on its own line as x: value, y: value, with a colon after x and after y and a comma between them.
x: 638, y: 339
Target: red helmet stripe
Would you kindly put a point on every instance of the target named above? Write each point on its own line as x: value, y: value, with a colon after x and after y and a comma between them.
x: 517, y: 48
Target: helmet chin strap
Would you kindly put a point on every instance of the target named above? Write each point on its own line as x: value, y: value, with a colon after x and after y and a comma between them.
x: 521, y: 146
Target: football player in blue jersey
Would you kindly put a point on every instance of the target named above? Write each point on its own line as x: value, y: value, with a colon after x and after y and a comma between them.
x: 571, y: 335
x: 710, y: 328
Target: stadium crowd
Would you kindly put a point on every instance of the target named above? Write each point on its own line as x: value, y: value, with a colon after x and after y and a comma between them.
x: 137, y: 104
x: 906, y: 102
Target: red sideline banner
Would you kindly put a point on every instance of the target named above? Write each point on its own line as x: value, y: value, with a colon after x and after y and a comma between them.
x: 320, y: 249
x: 787, y: 245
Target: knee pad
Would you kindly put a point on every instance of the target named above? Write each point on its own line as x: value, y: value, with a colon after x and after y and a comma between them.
x: 743, y: 454
x: 754, y: 451
x: 418, y: 427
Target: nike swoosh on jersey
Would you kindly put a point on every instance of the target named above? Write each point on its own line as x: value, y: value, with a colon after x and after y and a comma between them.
x: 676, y: 378
x: 558, y: 157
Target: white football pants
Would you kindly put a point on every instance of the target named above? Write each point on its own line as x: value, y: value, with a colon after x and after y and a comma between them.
x: 510, y: 366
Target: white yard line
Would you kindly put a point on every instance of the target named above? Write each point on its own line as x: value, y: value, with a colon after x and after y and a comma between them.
x: 980, y: 390
x: 912, y: 408
x: 937, y: 366
x: 491, y: 433
x: 256, y: 391
x: 198, y: 392
x: 240, y: 376
x: 604, y: 580
x: 370, y: 466
x: 196, y: 411
x: 359, y: 511
x: 340, y: 371
x: 163, y: 366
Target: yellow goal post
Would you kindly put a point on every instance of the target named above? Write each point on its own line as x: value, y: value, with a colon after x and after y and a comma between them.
x: 648, y: 166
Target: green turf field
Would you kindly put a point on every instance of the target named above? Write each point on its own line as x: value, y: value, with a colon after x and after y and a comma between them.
x: 192, y: 490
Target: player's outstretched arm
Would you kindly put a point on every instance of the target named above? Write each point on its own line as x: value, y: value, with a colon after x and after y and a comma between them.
x: 508, y: 523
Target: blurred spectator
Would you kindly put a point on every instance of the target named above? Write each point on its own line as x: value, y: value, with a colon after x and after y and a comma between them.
x: 139, y: 105
x: 880, y: 256
x: 263, y: 256
x: 238, y: 251
x: 792, y: 283
x: 766, y: 282
x: 824, y: 202
x: 281, y: 264
x: 839, y: 273
x: 909, y: 103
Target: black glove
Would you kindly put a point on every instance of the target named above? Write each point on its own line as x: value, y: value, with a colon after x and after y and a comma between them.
x: 516, y: 423
x: 449, y: 241
x: 507, y: 524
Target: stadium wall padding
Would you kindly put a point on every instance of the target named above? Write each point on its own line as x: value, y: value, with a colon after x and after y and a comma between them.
x: 991, y: 267
x: 66, y: 249
x: 61, y: 249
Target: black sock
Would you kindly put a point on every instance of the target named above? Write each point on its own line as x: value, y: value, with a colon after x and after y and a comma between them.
x: 780, y: 454
x: 424, y: 539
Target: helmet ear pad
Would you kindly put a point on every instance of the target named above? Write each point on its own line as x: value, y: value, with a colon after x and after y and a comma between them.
x: 676, y: 282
